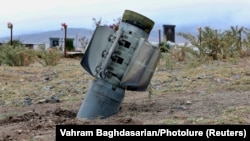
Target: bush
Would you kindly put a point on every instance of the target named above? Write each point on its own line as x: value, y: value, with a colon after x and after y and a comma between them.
x: 164, y: 47
x: 219, y: 45
x: 70, y: 45
x: 50, y: 57
x: 16, y: 56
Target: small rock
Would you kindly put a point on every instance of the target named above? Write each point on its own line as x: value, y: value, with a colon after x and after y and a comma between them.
x: 54, y: 99
x: 188, y: 102
x: 42, y: 101
x: 218, y: 80
x: 27, y: 101
x: 202, y: 92
x: 201, y: 76
x: 19, y: 131
x: 47, y: 88
x: 181, y: 107
x: 47, y: 78
x: 236, y: 77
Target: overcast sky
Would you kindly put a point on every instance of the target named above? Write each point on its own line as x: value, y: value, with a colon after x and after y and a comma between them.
x: 30, y: 16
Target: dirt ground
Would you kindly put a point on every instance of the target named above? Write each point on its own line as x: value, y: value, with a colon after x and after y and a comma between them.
x: 216, y: 93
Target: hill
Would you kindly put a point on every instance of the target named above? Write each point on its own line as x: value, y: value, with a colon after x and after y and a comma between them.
x: 43, y: 37
x: 76, y: 33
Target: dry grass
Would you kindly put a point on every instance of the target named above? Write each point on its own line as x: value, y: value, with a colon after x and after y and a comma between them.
x: 69, y: 82
x: 209, y: 76
x: 36, y: 81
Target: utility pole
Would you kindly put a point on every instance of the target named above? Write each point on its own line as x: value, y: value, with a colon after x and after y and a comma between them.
x: 76, y: 39
x: 64, y: 25
x: 159, y: 31
x: 199, y: 30
x: 10, y: 26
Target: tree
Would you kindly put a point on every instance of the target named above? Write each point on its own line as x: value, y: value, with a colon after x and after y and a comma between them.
x: 70, y: 45
x: 97, y: 22
x: 15, y: 43
x: 84, y: 42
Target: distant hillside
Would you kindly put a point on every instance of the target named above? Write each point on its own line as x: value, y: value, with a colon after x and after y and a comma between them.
x: 43, y: 37
x: 77, y: 33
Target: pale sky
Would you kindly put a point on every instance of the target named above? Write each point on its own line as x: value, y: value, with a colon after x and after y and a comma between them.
x: 31, y: 16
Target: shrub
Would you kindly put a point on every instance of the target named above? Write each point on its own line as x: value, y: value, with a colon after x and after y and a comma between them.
x: 217, y: 44
x: 50, y: 57
x: 16, y: 55
x: 70, y: 45
x: 164, y: 47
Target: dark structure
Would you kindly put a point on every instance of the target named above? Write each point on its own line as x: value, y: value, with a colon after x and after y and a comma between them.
x: 54, y: 42
x: 169, y: 32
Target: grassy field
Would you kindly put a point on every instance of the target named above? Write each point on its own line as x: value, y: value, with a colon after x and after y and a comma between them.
x: 184, y: 91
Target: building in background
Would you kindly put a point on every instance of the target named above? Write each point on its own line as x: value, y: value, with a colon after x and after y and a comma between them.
x: 169, y: 32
